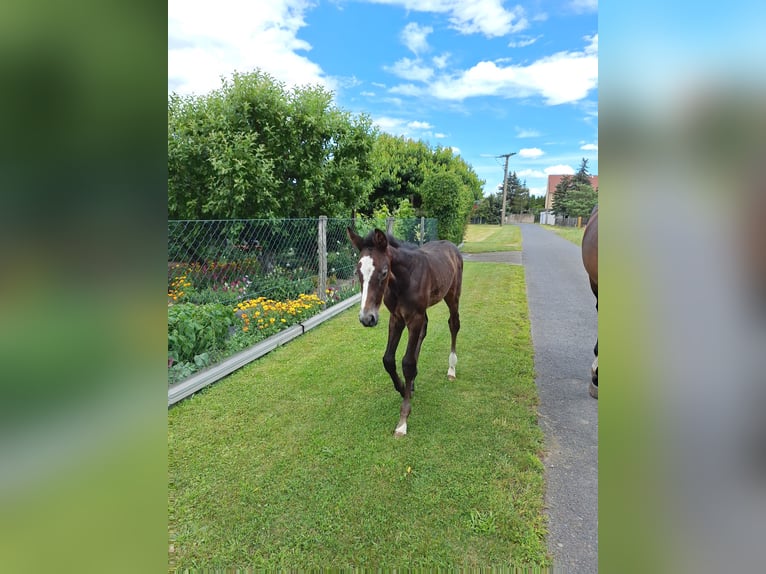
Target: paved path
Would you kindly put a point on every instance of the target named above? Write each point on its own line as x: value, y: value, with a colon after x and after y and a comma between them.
x: 564, y: 328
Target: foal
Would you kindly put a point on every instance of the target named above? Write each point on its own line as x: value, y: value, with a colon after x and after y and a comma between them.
x: 408, y: 280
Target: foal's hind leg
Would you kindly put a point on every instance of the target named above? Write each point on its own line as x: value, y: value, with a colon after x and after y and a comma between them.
x: 454, y: 327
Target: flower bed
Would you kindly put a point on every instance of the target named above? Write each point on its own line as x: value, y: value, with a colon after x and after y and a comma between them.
x: 202, y: 335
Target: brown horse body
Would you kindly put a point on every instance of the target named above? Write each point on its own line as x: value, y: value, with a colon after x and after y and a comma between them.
x: 590, y: 260
x: 408, y: 280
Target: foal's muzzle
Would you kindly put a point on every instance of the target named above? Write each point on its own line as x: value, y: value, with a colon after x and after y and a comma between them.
x: 368, y: 319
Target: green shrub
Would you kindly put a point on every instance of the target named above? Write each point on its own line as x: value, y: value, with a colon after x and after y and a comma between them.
x: 283, y: 284
x: 197, y: 329
x: 342, y: 262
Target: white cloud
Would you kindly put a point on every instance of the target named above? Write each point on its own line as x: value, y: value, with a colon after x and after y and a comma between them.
x: 402, y: 127
x: 207, y: 42
x: 441, y: 61
x: 584, y: 5
x: 367, y: 94
x: 407, y: 90
x: 589, y: 147
x: 531, y: 173
x: 560, y: 169
x: 410, y: 70
x: 564, y: 77
x: 531, y: 152
x: 394, y: 126
x: 415, y: 37
x: 486, y: 17
x: 455, y: 150
x: 523, y: 43
x: 526, y: 133
x: 439, y: 135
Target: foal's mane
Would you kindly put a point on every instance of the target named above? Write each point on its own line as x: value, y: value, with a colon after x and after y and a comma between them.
x: 393, y: 241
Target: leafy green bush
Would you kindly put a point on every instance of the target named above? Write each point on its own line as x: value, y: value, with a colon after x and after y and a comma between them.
x: 342, y: 262
x: 283, y: 283
x: 196, y: 329
x: 446, y: 198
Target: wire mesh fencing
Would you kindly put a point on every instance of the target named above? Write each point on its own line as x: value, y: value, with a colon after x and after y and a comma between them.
x: 229, y: 261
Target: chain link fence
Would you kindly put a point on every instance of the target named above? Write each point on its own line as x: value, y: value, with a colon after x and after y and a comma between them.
x: 228, y: 261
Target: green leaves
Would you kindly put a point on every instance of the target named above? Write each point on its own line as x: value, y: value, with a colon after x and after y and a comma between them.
x: 575, y: 196
x: 194, y: 330
x: 446, y: 198
x: 253, y: 149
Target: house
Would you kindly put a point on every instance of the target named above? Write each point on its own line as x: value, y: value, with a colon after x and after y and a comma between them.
x: 554, y: 180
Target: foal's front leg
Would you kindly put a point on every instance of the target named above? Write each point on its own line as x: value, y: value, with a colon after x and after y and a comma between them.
x: 395, y: 328
x: 416, y: 333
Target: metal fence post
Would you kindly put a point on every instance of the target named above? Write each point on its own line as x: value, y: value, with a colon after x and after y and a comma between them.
x: 422, y: 230
x: 322, y: 237
x: 389, y: 225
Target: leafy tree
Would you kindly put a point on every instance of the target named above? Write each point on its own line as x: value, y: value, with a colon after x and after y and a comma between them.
x: 536, y: 204
x: 559, y: 205
x: 582, y: 177
x: 581, y: 200
x: 401, y: 165
x: 253, y: 149
x: 574, y: 195
x: 446, y: 198
x: 488, y: 208
x: 520, y: 201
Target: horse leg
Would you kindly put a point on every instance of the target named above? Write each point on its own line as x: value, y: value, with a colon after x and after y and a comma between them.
x: 454, y: 327
x: 422, y: 336
x: 594, y: 374
x: 416, y: 331
x: 395, y: 328
x: 593, y: 389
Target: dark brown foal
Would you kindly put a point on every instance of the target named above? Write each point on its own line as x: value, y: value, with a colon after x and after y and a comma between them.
x: 408, y: 280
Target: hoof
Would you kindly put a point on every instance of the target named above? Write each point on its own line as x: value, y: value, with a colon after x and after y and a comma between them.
x: 398, y: 434
x: 451, y: 377
x: 593, y: 390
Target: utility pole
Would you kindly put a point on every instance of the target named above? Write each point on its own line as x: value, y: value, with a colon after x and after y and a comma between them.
x: 505, y: 184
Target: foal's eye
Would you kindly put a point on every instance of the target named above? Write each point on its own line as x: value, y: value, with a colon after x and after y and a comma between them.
x: 384, y: 273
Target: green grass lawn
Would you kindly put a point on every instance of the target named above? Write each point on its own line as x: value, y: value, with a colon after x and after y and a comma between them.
x: 573, y: 234
x: 487, y: 238
x: 291, y: 461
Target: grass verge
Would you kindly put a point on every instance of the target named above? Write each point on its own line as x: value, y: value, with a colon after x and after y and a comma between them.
x: 573, y: 234
x: 291, y: 462
x: 488, y: 238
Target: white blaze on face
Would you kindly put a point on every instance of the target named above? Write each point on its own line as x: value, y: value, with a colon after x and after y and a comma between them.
x: 366, y: 268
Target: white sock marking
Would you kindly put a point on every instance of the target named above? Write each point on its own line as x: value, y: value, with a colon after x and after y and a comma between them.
x: 366, y: 268
x: 452, y: 365
x: 401, y: 429
x: 594, y: 366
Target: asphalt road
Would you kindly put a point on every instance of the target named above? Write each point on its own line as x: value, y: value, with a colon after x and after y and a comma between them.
x: 564, y: 329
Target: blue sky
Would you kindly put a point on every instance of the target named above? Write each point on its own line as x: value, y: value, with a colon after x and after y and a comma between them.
x: 484, y: 77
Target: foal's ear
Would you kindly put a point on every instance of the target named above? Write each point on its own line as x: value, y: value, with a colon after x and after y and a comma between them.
x: 356, y: 241
x: 379, y: 240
